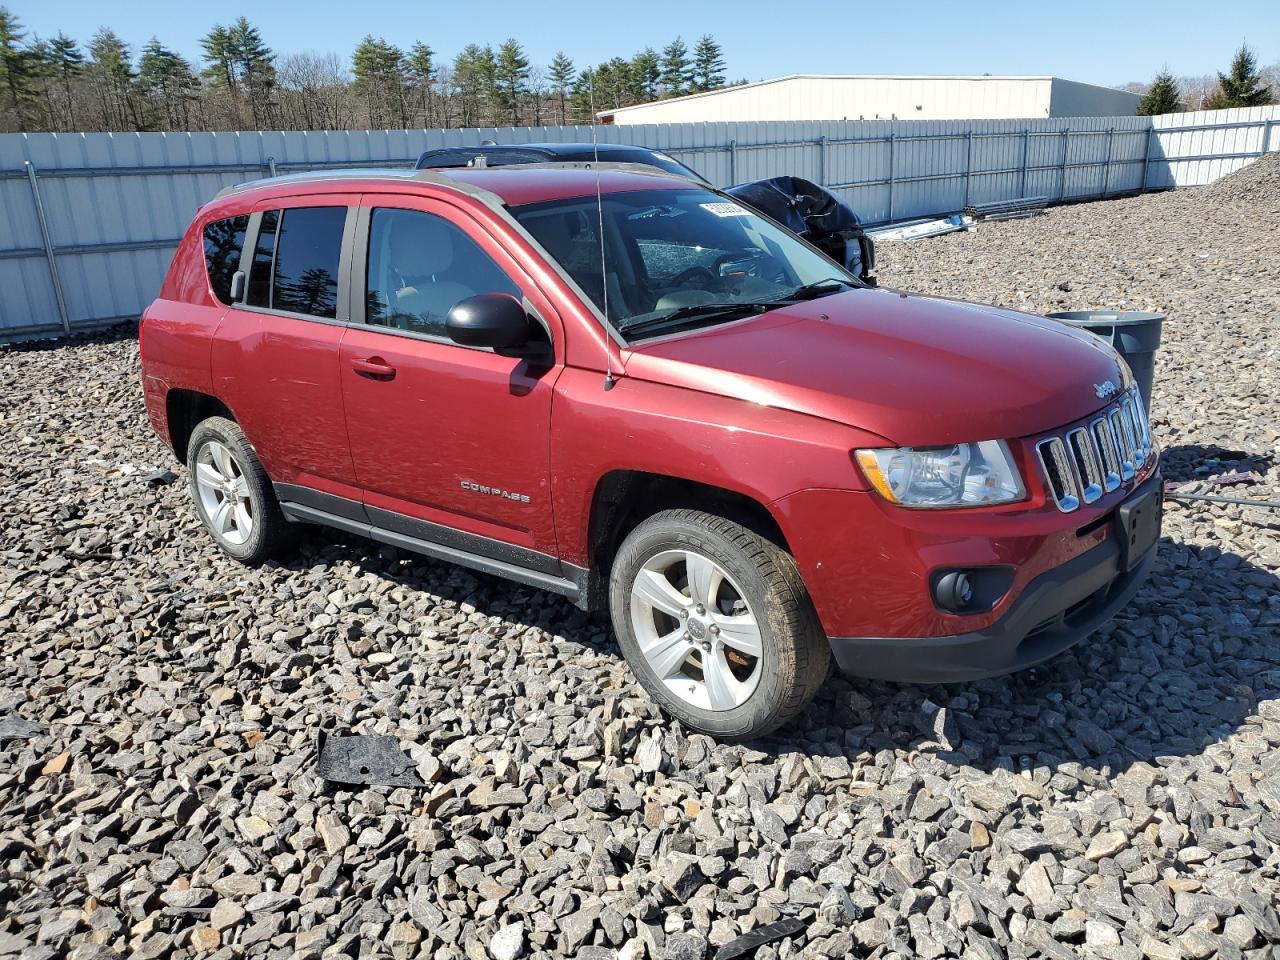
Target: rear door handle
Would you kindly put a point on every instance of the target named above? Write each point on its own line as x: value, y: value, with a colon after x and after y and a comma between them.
x: 375, y: 368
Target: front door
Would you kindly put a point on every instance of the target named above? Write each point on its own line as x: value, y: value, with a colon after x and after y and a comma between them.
x: 445, y: 438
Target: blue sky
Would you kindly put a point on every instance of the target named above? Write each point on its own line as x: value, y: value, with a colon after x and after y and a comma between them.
x: 1097, y: 42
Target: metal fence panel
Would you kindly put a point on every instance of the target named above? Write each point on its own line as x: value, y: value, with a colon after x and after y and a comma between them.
x: 116, y: 204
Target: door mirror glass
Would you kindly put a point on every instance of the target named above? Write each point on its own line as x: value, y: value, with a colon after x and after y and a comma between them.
x: 494, y: 320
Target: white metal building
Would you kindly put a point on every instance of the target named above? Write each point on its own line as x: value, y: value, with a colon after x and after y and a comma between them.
x: 818, y: 97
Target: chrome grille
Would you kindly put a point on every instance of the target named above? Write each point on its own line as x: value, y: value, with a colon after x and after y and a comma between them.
x: 1087, y: 462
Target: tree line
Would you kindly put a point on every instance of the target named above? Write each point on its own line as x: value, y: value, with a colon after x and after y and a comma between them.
x: 1243, y: 85
x: 241, y: 83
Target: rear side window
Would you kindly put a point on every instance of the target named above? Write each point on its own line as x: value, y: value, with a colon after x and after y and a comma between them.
x: 295, y: 263
x: 223, y: 242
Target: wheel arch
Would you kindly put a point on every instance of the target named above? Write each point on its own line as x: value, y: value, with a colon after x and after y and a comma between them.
x: 184, y: 411
x: 623, y: 499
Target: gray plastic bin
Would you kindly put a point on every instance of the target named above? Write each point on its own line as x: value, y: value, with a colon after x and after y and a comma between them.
x: 1134, y: 334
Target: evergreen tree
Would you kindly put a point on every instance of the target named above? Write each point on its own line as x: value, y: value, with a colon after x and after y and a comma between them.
x: 220, y: 55
x: 487, y: 77
x: 1242, y: 85
x: 708, y: 64
x: 380, y: 77
x: 1161, y: 97
x: 646, y: 72
x: 562, y: 74
x: 64, y: 65
x: 168, y: 81
x: 583, y: 101
x: 471, y: 83
x: 677, y: 72
x: 256, y: 64
x: 420, y: 67
x: 17, y: 73
x: 511, y: 78
x: 111, y: 72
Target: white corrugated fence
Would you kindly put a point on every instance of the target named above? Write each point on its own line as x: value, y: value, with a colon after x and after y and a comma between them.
x: 90, y: 220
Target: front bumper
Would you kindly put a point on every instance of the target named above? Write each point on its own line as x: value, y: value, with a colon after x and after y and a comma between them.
x: 1055, y: 611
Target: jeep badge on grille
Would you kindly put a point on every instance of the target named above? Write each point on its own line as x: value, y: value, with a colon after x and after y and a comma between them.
x: 1105, y: 389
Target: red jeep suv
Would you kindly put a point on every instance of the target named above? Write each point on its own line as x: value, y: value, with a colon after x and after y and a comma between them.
x: 627, y: 388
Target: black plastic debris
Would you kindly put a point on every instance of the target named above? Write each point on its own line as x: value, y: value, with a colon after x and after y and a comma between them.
x: 754, y: 939
x: 16, y: 728
x: 369, y: 760
x: 161, y: 478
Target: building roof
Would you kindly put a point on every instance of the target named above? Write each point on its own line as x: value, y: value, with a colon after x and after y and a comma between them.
x: 833, y: 76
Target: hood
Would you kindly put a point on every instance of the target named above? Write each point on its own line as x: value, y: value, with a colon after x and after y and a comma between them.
x: 916, y: 370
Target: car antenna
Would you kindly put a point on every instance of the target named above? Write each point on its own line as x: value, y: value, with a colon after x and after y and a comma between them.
x: 609, y: 380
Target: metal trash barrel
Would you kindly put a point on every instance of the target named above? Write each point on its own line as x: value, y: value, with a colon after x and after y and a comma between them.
x: 1134, y: 334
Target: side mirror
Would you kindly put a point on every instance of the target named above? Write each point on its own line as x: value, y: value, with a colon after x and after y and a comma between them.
x: 494, y: 320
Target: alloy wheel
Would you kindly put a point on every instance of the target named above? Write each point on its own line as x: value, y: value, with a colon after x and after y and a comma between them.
x: 224, y: 492
x: 696, y: 630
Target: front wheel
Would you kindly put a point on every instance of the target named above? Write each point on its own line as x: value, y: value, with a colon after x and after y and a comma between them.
x: 716, y: 624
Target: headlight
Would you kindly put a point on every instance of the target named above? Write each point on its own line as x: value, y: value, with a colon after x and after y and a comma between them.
x: 964, y: 475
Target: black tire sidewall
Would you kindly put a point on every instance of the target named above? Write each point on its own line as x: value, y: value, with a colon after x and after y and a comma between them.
x: 255, y: 548
x: 758, y: 714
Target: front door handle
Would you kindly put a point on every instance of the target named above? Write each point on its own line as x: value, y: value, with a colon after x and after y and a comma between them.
x: 375, y: 368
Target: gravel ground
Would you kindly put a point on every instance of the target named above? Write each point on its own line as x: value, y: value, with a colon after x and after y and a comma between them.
x: 1122, y: 801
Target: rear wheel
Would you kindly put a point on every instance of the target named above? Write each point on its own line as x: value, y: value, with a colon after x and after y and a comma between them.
x: 233, y: 495
x: 716, y: 624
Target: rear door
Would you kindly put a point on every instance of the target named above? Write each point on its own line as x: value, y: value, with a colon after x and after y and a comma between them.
x: 276, y: 355
x: 450, y: 443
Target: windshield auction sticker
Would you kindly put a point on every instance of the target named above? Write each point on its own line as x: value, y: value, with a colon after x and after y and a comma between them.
x: 724, y: 208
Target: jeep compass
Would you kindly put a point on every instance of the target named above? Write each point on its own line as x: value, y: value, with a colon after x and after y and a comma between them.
x: 627, y: 388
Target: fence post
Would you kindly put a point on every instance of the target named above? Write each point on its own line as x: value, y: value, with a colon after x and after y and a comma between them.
x: 822, y: 161
x: 1062, y: 171
x: 271, y: 166
x: 48, y: 247
x: 1026, y: 142
x: 1106, y: 171
x: 968, y: 164
x: 733, y: 162
x: 1146, y: 156
x: 891, y: 152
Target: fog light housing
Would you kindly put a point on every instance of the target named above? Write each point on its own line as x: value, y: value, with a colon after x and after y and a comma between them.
x: 970, y: 589
x: 953, y: 591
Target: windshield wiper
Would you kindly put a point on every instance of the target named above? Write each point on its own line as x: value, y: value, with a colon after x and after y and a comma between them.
x: 818, y: 288
x: 695, y: 311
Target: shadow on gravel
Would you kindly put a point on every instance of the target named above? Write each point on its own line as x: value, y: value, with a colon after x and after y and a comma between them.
x: 126, y: 330
x: 1193, y: 461
x: 1180, y: 668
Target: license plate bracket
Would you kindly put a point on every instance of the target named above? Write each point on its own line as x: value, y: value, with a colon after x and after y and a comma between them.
x: 1138, y: 526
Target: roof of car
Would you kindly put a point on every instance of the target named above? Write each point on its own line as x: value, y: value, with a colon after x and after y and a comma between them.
x: 508, y: 185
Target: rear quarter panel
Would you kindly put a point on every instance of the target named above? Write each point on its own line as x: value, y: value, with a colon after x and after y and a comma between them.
x: 176, y: 331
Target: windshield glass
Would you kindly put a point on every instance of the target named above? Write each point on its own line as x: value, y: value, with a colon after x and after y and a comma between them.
x: 676, y: 250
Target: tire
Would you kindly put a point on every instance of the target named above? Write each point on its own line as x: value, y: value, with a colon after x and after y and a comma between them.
x: 255, y: 532
x: 761, y: 691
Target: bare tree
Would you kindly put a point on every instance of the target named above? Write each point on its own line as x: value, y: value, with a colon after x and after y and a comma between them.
x: 315, y: 92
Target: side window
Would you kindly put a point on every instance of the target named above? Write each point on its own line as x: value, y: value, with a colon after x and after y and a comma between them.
x: 259, y: 293
x: 295, y: 263
x: 223, y: 243
x: 420, y: 265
